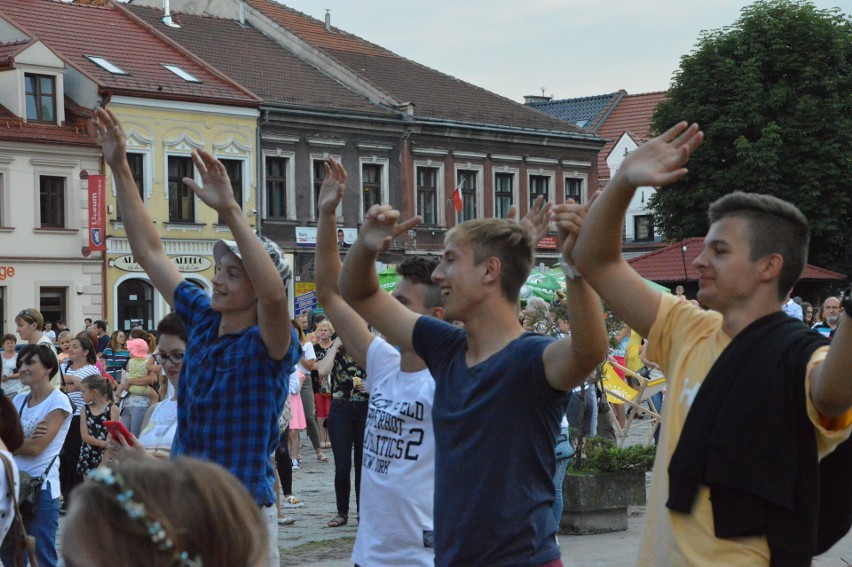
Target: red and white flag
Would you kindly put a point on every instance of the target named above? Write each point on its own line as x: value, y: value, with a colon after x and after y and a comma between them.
x: 458, y: 201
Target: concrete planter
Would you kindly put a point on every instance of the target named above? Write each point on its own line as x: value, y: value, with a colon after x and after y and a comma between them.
x: 597, y: 503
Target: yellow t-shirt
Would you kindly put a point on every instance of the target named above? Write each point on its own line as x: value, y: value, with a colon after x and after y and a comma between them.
x: 686, y: 340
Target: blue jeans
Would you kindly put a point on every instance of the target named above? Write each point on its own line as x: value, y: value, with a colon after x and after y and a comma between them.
x: 43, y: 527
x: 558, y: 478
x: 658, y: 403
x: 346, y: 423
x: 584, y: 410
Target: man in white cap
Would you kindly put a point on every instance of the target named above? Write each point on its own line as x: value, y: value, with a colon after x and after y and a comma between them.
x: 233, y: 381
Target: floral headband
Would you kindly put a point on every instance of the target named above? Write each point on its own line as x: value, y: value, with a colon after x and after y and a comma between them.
x: 136, y: 511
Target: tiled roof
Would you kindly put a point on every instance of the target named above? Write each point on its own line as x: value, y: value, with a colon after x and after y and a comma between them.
x: 9, y: 50
x: 434, y: 94
x: 72, y: 131
x: 633, y: 116
x: 585, y: 112
x: 275, y: 74
x: 670, y: 263
x: 74, y: 30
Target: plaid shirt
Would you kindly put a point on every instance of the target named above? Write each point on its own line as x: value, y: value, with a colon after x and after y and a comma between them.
x: 230, y: 395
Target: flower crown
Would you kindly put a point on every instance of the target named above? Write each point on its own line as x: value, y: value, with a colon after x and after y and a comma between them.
x: 136, y: 511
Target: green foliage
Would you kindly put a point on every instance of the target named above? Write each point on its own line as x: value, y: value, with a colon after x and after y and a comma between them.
x: 602, y: 455
x: 773, y: 95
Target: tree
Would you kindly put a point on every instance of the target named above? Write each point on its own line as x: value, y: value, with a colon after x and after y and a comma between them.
x: 773, y: 94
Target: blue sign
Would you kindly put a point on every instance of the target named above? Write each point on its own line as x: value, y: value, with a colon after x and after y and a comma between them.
x: 305, y: 302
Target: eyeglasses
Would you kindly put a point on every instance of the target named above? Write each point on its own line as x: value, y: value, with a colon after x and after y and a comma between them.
x: 176, y: 358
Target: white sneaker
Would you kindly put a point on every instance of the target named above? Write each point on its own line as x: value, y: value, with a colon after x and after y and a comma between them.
x: 292, y: 502
x: 295, y: 465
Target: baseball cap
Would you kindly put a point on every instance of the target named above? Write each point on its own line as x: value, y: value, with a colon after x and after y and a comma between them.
x: 275, y: 254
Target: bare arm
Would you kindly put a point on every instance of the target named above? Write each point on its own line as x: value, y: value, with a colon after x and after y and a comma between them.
x: 33, y: 445
x: 326, y: 365
x: 598, y: 251
x: 351, y: 328
x: 359, y: 281
x: 217, y: 193
x: 309, y: 365
x: 568, y: 361
x: 831, y: 387
x: 144, y: 241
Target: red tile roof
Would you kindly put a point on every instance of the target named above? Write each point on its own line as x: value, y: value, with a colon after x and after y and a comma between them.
x: 671, y: 263
x: 9, y: 50
x: 227, y: 45
x: 631, y: 116
x: 74, y: 30
x: 72, y: 131
x: 434, y: 94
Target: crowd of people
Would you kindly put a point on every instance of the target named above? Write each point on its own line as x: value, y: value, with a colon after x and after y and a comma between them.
x: 453, y: 416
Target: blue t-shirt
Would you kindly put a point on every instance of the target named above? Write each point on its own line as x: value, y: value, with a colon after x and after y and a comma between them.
x: 230, y: 395
x: 495, y: 436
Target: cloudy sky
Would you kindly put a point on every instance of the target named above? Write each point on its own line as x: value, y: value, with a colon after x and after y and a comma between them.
x: 571, y: 48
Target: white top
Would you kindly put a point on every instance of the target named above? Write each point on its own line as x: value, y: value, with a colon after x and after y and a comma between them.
x: 308, y: 353
x: 7, y: 507
x: 50, y: 335
x: 56, y: 379
x: 30, y: 417
x: 398, y: 471
x: 161, y: 428
x: 11, y: 387
x: 294, y: 386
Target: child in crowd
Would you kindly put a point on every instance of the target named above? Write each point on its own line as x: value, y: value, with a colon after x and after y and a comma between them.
x: 141, y: 372
x: 99, y: 407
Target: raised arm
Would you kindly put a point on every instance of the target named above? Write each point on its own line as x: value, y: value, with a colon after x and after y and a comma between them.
x: 351, y: 328
x: 598, y: 250
x: 831, y: 386
x: 568, y: 361
x: 359, y: 281
x: 144, y: 241
x: 217, y: 193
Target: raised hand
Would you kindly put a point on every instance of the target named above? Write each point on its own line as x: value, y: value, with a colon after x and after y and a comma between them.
x: 380, y: 227
x: 215, y: 189
x: 106, y: 128
x: 661, y: 161
x: 537, y: 220
x: 333, y: 187
x: 569, y: 218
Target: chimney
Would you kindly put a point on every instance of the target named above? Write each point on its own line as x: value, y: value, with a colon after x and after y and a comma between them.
x: 167, y: 16
x: 327, y: 19
x: 530, y: 100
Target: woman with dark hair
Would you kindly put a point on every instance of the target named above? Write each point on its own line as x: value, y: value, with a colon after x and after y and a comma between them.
x: 11, y: 437
x: 808, y: 314
x: 80, y: 364
x: 45, y: 418
x: 116, y: 355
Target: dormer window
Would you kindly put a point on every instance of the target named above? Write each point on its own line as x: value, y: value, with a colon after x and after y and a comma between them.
x: 181, y: 73
x: 41, y: 97
x: 106, y: 64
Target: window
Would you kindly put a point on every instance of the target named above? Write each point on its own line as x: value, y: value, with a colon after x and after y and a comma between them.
x: 276, y: 187
x: 643, y: 228
x: 181, y: 197
x: 371, y: 181
x: 52, y: 303
x: 503, y: 194
x: 427, y: 194
x: 319, y: 177
x: 106, y: 64
x: 539, y: 185
x: 40, y: 93
x: 137, y: 170
x: 52, y: 201
x: 466, y: 182
x: 574, y: 189
x: 135, y: 304
x: 234, y: 168
x: 189, y: 78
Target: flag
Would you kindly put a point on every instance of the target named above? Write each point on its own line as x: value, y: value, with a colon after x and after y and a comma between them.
x: 457, y: 200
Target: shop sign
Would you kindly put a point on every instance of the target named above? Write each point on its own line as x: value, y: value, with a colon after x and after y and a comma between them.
x: 97, y: 213
x: 548, y: 243
x: 185, y: 264
x: 6, y: 272
x: 127, y: 263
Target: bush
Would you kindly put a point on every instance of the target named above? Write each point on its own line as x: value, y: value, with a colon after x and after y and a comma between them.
x: 602, y: 455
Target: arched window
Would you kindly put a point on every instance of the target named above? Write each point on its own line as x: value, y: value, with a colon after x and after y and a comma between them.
x: 135, y: 305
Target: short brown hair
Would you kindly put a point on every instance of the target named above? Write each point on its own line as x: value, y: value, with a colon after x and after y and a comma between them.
x: 775, y: 227
x: 419, y: 270
x: 8, y: 337
x: 217, y: 520
x: 172, y: 325
x: 504, y: 239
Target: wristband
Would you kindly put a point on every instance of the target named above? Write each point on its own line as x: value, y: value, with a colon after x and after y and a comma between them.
x: 570, y: 271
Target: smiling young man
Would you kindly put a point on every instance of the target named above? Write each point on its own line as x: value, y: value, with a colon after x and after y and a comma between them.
x: 233, y: 381
x: 500, y: 392
x: 738, y: 463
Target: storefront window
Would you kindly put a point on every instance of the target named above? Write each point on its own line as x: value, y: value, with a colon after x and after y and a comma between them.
x: 135, y: 305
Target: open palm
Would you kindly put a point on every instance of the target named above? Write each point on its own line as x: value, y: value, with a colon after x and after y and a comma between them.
x: 215, y: 189
x: 661, y: 161
x: 331, y: 192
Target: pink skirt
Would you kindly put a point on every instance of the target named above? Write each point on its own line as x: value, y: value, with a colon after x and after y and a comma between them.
x: 298, y: 419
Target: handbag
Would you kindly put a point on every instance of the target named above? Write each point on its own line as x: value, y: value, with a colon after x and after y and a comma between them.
x: 17, y: 534
x: 285, y: 417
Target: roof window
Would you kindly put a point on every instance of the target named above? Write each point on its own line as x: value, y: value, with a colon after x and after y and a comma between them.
x: 106, y: 64
x: 181, y: 73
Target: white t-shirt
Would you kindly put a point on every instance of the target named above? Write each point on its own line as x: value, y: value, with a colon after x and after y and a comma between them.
x: 398, y: 471
x: 7, y: 507
x: 11, y: 387
x: 308, y: 353
x: 30, y: 417
x: 55, y: 379
x: 161, y: 428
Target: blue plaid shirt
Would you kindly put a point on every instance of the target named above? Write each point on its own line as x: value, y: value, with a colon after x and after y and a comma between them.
x: 230, y: 395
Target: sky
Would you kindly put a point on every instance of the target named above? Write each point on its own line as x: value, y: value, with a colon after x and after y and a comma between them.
x: 569, y: 48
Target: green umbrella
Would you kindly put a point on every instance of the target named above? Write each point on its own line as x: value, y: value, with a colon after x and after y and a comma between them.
x: 388, y: 278
x: 540, y: 285
x: 557, y: 274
